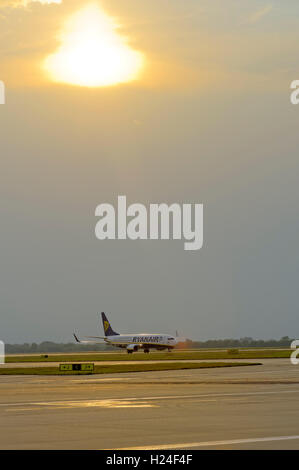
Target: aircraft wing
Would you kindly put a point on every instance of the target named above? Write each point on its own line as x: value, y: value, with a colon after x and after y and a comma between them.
x: 89, y: 342
x: 95, y: 337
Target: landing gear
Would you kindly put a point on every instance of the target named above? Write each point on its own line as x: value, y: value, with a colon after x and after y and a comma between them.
x: 130, y: 351
x: 146, y: 351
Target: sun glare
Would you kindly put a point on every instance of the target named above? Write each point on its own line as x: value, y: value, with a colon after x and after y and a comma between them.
x: 92, y: 53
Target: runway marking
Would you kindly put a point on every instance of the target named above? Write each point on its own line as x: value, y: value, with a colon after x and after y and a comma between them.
x: 163, y: 397
x: 113, y: 403
x: 189, y: 445
x: 213, y: 395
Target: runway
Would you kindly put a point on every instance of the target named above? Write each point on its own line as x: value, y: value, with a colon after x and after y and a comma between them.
x: 233, y: 408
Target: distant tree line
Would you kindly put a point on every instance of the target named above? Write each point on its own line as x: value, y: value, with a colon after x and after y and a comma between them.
x: 51, y: 347
x: 246, y: 342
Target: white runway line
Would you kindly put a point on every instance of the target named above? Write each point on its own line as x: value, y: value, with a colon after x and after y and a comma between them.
x: 189, y: 445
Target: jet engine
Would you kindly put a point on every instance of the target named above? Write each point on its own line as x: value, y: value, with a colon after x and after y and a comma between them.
x: 132, y: 347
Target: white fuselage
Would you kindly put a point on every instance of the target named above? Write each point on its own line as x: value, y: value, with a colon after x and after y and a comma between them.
x: 143, y: 340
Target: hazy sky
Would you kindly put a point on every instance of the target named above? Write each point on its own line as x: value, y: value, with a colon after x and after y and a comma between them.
x: 208, y: 120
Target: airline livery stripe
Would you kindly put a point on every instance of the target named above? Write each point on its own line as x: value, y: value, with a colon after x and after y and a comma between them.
x: 144, y: 342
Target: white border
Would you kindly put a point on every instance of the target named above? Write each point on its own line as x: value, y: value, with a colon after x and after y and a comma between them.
x: 2, y: 352
x: 2, y: 92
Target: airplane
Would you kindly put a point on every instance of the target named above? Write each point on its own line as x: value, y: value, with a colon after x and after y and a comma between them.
x: 132, y: 342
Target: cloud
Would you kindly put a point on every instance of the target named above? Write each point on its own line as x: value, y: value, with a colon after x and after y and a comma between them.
x: 44, y: 2
x: 258, y: 15
x: 24, y: 3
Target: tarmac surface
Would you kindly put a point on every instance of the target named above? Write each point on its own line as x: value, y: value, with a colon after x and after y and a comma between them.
x: 253, y: 407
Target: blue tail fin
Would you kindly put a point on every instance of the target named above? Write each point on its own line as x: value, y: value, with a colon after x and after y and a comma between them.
x: 108, y: 331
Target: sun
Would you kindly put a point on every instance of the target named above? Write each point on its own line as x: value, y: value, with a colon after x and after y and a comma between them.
x: 92, y: 53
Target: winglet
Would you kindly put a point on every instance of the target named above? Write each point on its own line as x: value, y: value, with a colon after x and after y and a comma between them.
x: 77, y: 339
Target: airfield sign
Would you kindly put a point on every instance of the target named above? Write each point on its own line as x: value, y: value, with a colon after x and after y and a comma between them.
x: 76, y: 367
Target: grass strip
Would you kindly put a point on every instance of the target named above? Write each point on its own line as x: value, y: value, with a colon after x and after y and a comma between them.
x: 157, y: 356
x: 111, y: 369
